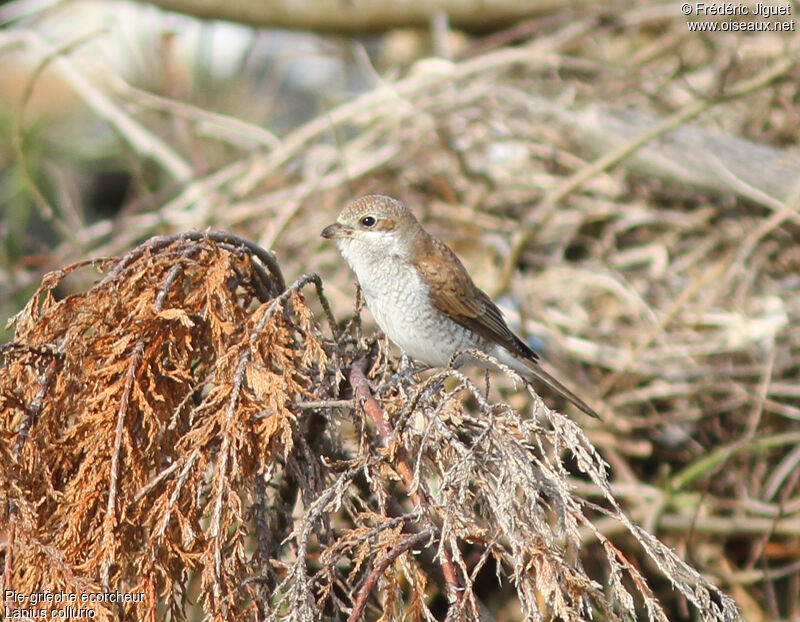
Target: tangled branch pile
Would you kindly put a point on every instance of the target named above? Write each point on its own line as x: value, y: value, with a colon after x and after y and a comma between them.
x: 625, y: 188
x: 172, y: 430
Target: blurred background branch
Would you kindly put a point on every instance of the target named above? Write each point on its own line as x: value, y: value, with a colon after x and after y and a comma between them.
x: 360, y: 16
x: 627, y: 186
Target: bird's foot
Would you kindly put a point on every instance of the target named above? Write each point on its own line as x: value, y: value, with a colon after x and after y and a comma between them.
x: 432, y: 390
x: 404, y: 375
x: 405, y: 362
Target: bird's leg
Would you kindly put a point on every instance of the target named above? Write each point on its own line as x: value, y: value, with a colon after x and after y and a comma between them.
x: 432, y: 390
x: 407, y: 367
x: 405, y: 373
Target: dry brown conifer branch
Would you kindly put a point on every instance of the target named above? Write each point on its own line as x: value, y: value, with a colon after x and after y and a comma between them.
x: 133, y: 368
x: 45, y: 382
x: 162, y: 241
x: 226, y: 444
x: 316, y: 405
x: 169, y: 316
x: 275, y: 306
x: 654, y: 607
x: 418, y: 495
x: 362, y: 391
x: 379, y: 568
x: 295, y: 588
x: 188, y: 464
x: 155, y: 481
x: 617, y: 279
x: 221, y: 477
x: 110, y: 522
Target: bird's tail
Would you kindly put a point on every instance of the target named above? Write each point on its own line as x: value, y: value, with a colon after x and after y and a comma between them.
x: 559, y: 388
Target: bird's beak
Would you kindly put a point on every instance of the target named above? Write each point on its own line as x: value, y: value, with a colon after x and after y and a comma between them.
x: 331, y: 232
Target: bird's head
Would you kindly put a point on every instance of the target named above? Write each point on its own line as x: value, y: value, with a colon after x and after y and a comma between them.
x: 373, y: 227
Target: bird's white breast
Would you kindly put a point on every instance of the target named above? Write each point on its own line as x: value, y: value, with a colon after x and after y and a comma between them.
x: 399, y: 299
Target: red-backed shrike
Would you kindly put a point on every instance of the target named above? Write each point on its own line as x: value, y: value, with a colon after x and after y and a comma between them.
x: 420, y: 292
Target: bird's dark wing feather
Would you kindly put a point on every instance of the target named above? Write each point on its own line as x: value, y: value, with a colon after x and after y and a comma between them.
x: 453, y: 292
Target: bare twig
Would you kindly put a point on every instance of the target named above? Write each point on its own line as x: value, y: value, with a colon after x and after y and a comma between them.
x: 363, y: 594
x: 418, y: 494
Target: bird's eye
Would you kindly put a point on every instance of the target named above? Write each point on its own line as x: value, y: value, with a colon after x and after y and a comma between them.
x: 368, y: 221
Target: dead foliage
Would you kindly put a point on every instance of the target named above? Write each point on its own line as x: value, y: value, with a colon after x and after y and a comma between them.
x: 626, y: 189
x: 174, y: 432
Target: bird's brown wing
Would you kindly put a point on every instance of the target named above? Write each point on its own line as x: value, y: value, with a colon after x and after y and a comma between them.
x: 453, y: 293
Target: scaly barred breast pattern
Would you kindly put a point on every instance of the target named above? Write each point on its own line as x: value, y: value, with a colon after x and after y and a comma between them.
x: 398, y: 299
